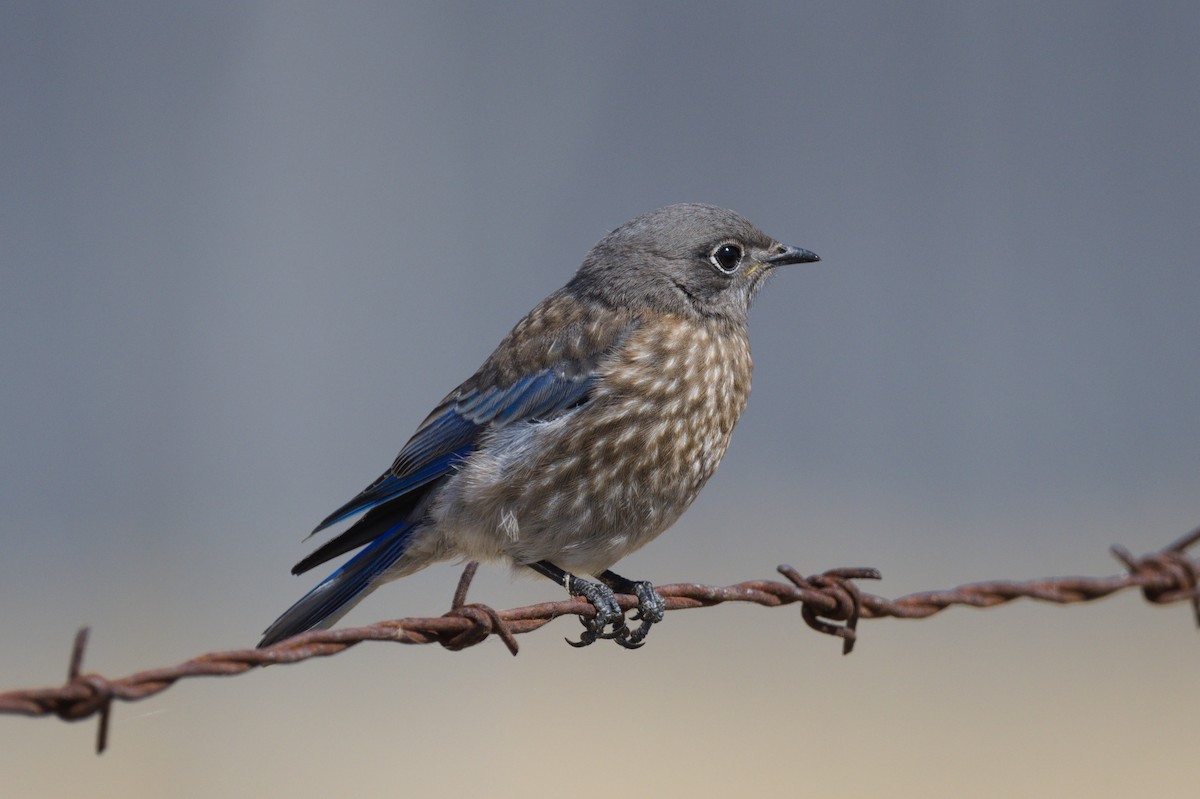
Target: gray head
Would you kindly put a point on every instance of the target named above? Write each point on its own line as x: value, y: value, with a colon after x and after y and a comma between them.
x: 690, y: 259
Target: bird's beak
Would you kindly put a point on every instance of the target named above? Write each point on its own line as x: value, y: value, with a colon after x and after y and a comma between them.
x: 792, y: 255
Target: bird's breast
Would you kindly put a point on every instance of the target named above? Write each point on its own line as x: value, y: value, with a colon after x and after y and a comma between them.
x: 638, y: 454
x: 666, y: 408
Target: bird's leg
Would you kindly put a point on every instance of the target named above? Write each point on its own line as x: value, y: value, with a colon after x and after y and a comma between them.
x: 602, y: 599
x: 650, y: 610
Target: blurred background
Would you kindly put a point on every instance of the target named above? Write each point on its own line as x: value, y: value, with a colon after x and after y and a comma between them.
x: 245, y: 247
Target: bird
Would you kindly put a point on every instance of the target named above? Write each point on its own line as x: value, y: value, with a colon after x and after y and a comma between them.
x: 587, y: 432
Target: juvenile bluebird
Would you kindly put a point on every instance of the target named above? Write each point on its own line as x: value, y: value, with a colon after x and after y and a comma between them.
x: 588, y: 432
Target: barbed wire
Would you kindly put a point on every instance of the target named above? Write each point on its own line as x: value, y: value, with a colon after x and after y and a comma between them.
x: 831, y: 603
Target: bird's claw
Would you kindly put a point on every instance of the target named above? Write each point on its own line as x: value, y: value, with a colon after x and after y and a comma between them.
x: 650, y: 610
x: 608, y: 612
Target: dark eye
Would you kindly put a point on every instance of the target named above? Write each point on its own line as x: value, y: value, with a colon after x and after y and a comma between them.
x: 726, y: 257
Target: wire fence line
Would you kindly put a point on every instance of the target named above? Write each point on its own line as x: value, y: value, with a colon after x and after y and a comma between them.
x: 831, y: 603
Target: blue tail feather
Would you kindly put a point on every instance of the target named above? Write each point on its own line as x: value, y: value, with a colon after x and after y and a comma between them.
x: 340, y: 591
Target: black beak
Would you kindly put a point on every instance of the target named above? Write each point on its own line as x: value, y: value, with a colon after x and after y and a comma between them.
x: 792, y: 255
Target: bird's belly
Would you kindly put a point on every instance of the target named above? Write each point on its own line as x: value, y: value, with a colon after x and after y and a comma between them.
x: 587, y: 509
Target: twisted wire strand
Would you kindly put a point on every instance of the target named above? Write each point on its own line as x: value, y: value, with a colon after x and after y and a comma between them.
x: 831, y: 603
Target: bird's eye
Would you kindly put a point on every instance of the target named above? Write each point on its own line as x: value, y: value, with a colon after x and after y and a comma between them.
x: 726, y: 257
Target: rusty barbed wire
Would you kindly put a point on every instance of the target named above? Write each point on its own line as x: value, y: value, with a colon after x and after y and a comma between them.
x: 831, y: 603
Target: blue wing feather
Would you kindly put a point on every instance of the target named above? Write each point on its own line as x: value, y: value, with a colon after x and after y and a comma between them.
x: 430, y: 454
x: 452, y: 432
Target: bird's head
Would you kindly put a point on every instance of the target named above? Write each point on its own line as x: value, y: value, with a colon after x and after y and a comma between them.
x: 688, y: 259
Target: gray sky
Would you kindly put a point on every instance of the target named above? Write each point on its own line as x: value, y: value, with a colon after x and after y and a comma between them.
x: 246, y: 246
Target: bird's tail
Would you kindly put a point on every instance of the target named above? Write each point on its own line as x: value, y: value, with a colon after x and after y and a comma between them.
x: 342, y: 590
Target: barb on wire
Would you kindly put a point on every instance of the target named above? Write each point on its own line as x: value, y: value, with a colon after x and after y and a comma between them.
x: 831, y: 603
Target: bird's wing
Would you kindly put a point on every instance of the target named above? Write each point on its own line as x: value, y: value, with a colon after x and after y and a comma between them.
x: 395, y: 501
x: 519, y: 382
x: 453, y: 431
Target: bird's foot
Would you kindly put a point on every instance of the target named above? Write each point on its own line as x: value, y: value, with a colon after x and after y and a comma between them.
x: 650, y: 611
x: 608, y: 612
